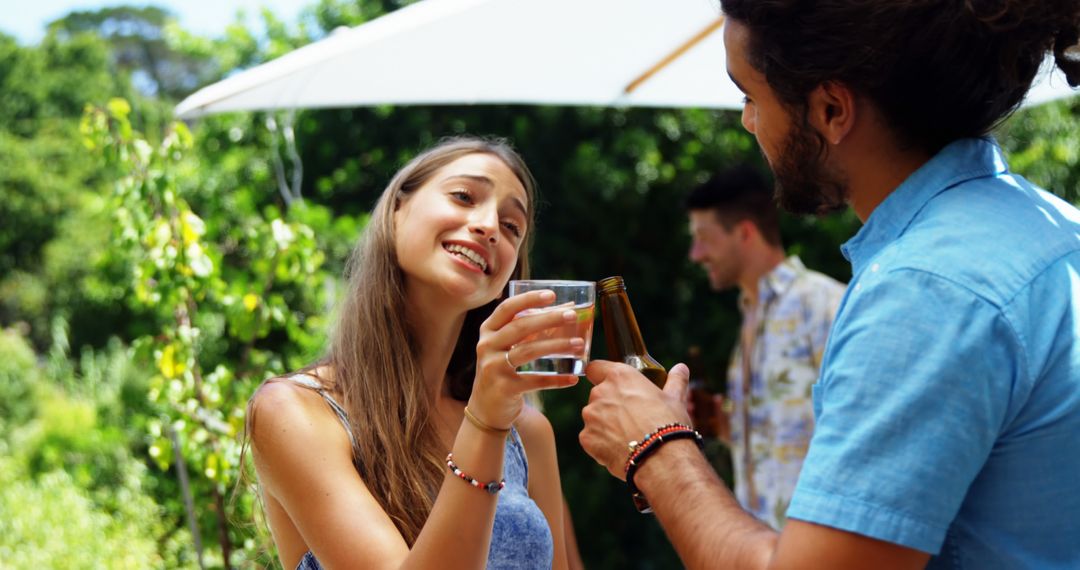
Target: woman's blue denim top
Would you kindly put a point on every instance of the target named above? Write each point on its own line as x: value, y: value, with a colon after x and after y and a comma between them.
x: 521, y: 538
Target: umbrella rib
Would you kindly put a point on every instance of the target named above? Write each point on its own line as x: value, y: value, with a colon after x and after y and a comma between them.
x: 675, y: 54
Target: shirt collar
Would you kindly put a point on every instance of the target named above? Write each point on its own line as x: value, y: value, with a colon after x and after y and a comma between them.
x: 776, y: 282
x: 958, y: 162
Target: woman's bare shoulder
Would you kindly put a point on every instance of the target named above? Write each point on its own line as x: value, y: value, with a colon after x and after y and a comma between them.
x: 284, y: 394
x: 303, y: 458
x: 283, y: 411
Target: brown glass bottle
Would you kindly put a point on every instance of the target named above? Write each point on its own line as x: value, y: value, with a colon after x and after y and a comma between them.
x: 624, y: 340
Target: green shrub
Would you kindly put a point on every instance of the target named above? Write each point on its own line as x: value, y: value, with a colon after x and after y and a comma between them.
x: 18, y: 375
x: 51, y: 522
x: 74, y: 492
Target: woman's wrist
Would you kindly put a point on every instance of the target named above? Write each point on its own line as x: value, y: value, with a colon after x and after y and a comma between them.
x: 478, y: 452
x: 480, y: 424
x: 498, y: 412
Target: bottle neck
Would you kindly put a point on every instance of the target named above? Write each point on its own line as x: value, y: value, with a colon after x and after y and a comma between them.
x: 620, y: 326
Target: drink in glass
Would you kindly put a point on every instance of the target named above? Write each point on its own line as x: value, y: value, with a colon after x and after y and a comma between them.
x: 579, y: 296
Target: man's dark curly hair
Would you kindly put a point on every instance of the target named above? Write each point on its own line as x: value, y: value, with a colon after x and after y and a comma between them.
x: 938, y: 70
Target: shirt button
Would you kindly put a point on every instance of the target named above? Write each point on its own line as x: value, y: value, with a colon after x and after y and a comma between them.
x: 858, y: 286
x: 875, y: 267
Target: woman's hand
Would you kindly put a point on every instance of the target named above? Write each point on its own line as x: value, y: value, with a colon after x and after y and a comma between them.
x: 498, y: 389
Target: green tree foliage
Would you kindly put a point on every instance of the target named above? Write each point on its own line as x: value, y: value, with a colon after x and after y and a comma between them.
x: 40, y: 170
x: 50, y: 201
x: 1044, y: 145
x: 53, y: 80
x: 233, y: 303
x: 141, y: 47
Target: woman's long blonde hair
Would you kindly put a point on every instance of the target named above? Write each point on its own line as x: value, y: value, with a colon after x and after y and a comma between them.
x: 373, y: 359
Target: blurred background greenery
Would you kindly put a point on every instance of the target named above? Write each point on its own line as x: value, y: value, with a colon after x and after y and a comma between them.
x: 151, y: 277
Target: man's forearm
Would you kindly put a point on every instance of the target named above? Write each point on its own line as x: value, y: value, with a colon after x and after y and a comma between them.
x: 702, y: 519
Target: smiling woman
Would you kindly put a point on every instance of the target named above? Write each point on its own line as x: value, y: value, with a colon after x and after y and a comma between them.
x: 418, y: 478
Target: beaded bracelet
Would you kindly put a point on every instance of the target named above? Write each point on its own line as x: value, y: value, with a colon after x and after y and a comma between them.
x: 492, y: 488
x: 636, y: 446
x: 647, y: 448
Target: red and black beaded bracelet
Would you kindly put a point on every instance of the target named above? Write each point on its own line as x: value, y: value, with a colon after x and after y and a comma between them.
x: 646, y: 448
x: 637, y: 446
x: 492, y: 487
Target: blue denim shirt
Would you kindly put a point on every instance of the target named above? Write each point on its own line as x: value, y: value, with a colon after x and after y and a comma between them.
x: 948, y: 411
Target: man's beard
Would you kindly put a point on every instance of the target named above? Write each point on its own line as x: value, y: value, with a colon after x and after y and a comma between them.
x: 804, y: 184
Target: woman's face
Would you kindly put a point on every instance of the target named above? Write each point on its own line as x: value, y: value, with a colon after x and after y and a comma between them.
x: 459, y: 235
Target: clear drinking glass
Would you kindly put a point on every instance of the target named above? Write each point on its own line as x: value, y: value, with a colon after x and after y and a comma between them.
x: 580, y: 296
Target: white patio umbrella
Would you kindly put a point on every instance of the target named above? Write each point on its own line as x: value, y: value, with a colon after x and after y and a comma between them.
x: 550, y: 52
x: 653, y: 53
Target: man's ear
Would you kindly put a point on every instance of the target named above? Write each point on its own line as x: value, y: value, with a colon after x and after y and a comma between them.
x: 745, y: 229
x: 831, y: 109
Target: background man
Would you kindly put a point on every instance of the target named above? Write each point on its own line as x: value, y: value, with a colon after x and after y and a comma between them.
x: 949, y: 400
x: 787, y: 311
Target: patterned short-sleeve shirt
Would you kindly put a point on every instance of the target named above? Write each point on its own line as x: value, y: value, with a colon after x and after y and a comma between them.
x: 772, y: 416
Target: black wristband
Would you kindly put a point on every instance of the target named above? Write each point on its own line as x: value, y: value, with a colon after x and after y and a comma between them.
x: 640, y: 502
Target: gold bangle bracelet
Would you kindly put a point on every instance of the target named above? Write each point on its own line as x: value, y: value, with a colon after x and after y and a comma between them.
x: 483, y: 426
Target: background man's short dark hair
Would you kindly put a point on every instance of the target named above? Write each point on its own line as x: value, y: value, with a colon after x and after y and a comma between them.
x: 736, y: 194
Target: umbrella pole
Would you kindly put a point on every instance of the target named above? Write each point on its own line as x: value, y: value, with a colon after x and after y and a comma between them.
x: 675, y: 54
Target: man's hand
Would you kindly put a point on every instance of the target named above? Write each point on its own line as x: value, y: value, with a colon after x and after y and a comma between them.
x: 624, y: 406
x: 705, y: 523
